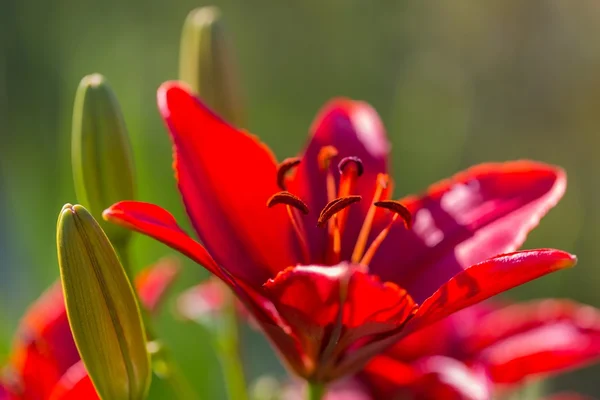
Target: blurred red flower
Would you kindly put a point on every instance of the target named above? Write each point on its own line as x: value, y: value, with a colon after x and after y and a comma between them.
x: 484, y: 350
x: 45, y: 363
x: 316, y: 250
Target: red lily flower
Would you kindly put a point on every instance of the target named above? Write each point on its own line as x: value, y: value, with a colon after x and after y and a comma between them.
x: 331, y: 296
x: 45, y: 363
x: 482, y: 350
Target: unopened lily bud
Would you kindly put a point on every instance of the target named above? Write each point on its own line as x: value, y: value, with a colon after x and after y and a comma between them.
x: 206, y: 63
x: 102, y: 158
x: 103, y: 313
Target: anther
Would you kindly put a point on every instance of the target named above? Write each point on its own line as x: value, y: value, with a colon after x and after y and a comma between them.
x: 397, y: 207
x: 293, y: 204
x: 335, y: 206
x: 283, y: 168
x: 399, y: 211
x: 326, y: 154
x: 351, y: 162
x: 350, y: 168
x: 289, y: 199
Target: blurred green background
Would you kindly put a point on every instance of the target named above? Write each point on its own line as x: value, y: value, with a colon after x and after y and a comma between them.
x: 456, y: 83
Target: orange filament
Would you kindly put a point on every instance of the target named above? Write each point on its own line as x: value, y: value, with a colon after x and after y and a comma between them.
x: 294, y: 205
x: 400, y: 211
x: 335, y: 206
x: 300, y: 232
x: 350, y: 169
x: 363, y: 236
x: 283, y: 168
x: 326, y: 154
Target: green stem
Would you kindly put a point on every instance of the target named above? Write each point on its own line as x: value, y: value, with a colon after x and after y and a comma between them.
x: 163, y: 364
x: 228, y: 351
x: 315, y: 391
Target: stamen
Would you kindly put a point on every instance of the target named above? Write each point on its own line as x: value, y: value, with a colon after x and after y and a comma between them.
x: 289, y: 199
x: 400, y: 211
x: 325, y: 155
x: 397, y: 207
x: 333, y: 228
x: 363, y: 236
x: 351, y: 162
x: 335, y: 206
x: 283, y: 168
x: 293, y: 206
x: 350, y: 169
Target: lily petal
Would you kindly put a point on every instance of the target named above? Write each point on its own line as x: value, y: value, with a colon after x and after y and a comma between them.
x: 477, y: 214
x: 159, y: 224
x: 225, y: 177
x: 541, y: 337
x: 355, y: 130
x: 487, y: 279
x: 44, y: 348
x: 153, y: 282
x: 75, y: 384
x: 336, y: 311
x: 447, y: 378
x: 472, y: 286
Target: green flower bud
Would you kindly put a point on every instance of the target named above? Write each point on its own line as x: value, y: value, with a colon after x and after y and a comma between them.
x: 101, y: 153
x: 206, y: 63
x: 103, y: 313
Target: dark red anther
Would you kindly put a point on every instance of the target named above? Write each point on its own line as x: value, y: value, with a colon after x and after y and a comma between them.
x: 398, y: 208
x: 348, y: 161
x: 289, y: 199
x: 283, y: 168
x: 335, y: 206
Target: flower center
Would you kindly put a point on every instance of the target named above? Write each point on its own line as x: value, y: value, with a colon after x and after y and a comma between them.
x: 335, y: 214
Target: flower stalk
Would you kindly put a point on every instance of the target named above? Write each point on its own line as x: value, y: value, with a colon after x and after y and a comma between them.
x: 315, y: 391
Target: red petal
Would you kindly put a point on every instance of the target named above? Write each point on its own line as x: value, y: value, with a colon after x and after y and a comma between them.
x: 487, y: 279
x: 153, y: 282
x: 477, y: 214
x: 387, y: 375
x: 157, y: 223
x: 311, y: 298
x: 44, y: 348
x: 450, y: 336
x: 537, y: 338
x: 447, y: 378
x: 75, y: 384
x: 226, y: 177
x: 32, y: 372
x: 354, y: 129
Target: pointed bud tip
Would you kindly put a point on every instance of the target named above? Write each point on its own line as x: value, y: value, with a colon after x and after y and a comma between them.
x: 202, y: 16
x: 93, y: 80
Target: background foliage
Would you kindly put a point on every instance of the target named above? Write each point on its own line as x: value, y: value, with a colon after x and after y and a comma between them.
x: 456, y: 83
